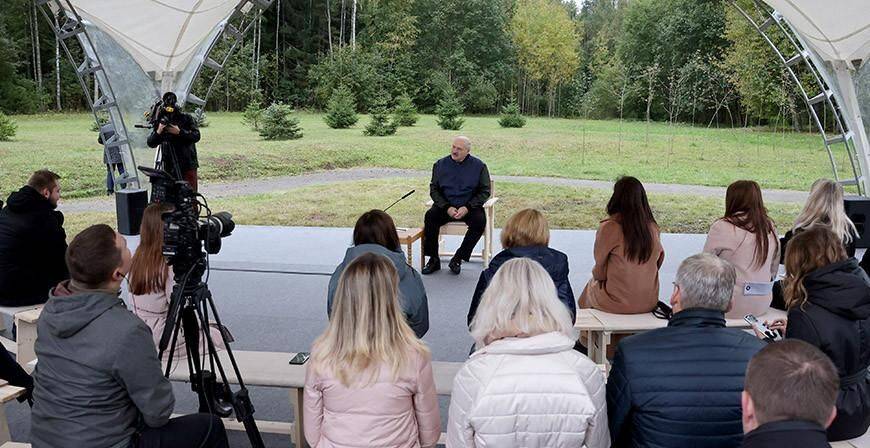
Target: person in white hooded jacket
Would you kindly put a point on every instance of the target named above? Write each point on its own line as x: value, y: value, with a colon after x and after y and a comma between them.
x: 525, y: 385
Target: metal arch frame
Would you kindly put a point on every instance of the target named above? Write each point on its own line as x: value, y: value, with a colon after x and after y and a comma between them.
x: 229, y: 32
x: 70, y: 24
x: 827, y: 97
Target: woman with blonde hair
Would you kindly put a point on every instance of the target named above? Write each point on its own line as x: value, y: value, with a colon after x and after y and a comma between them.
x: 828, y: 300
x: 151, y: 282
x: 527, y: 235
x: 523, y: 334
x: 369, y: 382
x: 746, y: 237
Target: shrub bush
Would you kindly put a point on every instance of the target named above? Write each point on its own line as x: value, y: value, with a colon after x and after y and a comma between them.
x: 200, y: 118
x: 253, y: 115
x: 341, y: 109
x: 511, y: 116
x: 7, y: 128
x: 101, y: 120
x: 449, y: 110
x: 481, y: 96
x: 380, y: 125
x: 405, y: 113
x: 279, y: 124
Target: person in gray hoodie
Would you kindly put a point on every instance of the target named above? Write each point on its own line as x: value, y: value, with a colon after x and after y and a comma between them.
x: 375, y: 232
x: 98, y: 383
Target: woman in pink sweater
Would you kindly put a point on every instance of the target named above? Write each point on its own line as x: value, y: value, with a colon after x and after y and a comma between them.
x: 370, y: 380
x: 746, y: 237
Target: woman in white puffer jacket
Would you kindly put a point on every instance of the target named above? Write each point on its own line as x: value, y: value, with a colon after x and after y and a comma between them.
x: 525, y: 386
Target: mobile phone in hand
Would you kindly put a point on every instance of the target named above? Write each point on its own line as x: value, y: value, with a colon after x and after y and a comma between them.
x: 300, y: 358
x: 769, y: 335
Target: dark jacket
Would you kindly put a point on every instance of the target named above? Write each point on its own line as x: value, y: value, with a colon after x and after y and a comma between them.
x: 183, y: 145
x: 783, y: 243
x: 32, y: 248
x: 787, y: 434
x: 456, y: 184
x: 836, y: 319
x: 412, y: 293
x: 555, y: 262
x: 680, y: 386
x: 98, y: 375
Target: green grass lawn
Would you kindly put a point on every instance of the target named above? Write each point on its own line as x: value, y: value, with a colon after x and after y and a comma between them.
x: 565, y: 207
x: 583, y: 149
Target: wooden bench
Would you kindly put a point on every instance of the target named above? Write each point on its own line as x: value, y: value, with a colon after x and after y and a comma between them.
x: 7, y: 394
x: 25, y: 318
x: 15, y: 445
x: 272, y: 369
x: 597, y: 327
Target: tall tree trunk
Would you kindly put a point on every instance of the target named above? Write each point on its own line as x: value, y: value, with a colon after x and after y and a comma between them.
x: 32, y: 45
x: 277, y: 31
x: 329, y: 25
x: 258, y: 47
x: 57, y: 68
x: 353, y: 27
x: 38, y: 53
x: 341, y: 31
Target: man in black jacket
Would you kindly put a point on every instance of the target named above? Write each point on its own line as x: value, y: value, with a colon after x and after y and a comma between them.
x: 680, y: 386
x: 459, y: 187
x: 178, y: 134
x: 790, y: 397
x: 32, y: 242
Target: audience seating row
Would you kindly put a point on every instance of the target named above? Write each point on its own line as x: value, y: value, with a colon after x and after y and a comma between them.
x: 25, y: 318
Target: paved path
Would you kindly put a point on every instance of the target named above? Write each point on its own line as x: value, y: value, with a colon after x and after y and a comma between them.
x: 256, y: 186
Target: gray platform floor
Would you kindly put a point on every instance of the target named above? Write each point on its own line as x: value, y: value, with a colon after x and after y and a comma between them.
x: 269, y: 284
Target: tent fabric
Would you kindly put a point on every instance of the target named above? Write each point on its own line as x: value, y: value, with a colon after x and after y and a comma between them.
x: 838, y: 30
x: 161, y: 35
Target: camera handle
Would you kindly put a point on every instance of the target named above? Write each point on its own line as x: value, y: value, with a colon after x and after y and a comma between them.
x: 189, y: 307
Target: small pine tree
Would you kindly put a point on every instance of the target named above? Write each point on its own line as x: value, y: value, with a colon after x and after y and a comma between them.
x: 380, y: 125
x: 200, y: 118
x: 511, y: 116
x: 101, y: 120
x: 449, y: 110
x: 253, y: 115
x: 405, y: 113
x: 279, y: 124
x: 7, y: 128
x: 341, y: 109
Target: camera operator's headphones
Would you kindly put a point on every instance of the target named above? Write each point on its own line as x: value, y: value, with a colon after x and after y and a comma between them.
x: 169, y: 102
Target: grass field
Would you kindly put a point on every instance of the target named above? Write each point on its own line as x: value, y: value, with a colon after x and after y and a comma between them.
x: 565, y: 207
x: 545, y: 147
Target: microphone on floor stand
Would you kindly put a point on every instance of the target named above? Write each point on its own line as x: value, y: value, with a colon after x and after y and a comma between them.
x: 400, y: 200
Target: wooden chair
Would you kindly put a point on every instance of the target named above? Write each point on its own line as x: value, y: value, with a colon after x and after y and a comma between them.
x: 460, y: 228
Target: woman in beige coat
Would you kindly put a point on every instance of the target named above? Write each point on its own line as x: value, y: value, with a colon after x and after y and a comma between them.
x: 628, y: 254
x: 746, y: 237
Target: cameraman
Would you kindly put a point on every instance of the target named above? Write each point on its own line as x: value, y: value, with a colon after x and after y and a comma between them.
x: 178, y: 133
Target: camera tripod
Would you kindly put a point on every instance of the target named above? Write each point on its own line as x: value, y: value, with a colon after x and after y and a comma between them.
x: 190, y: 304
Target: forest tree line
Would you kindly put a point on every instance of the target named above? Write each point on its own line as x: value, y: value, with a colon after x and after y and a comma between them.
x: 693, y: 61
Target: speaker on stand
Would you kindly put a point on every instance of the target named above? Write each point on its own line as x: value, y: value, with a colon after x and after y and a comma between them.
x: 130, y: 205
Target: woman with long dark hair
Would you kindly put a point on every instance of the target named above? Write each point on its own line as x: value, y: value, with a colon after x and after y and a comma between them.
x: 746, y: 237
x: 151, y: 282
x: 628, y: 254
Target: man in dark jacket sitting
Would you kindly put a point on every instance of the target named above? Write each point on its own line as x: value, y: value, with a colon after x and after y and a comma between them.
x: 98, y: 383
x: 790, y: 397
x: 680, y: 386
x: 460, y: 186
x: 32, y: 242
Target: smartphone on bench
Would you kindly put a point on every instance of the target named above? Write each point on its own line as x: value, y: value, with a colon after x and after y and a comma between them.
x: 300, y: 358
x: 769, y: 335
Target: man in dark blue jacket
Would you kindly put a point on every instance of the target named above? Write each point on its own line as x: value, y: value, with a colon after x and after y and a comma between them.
x: 680, y: 386
x: 460, y: 186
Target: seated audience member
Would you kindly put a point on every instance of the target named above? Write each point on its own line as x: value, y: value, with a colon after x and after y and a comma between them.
x: 369, y: 382
x: 628, y: 254
x: 828, y: 300
x: 32, y: 242
x: 98, y: 383
x: 824, y: 207
x: 746, y: 237
x: 459, y: 188
x: 375, y: 233
x: 788, y: 400
x: 527, y: 235
x: 525, y: 385
x: 151, y: 281
x: 680, y: 386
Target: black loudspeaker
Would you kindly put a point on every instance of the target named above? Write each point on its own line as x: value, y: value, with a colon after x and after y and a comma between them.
x: 858, y: 210
x: 130, y: 205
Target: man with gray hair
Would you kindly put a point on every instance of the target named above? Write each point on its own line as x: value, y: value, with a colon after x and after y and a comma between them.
x: 680, y: 386
x: 459, y: 187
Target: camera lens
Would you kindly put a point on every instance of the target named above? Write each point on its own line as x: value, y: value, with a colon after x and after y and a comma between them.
x: 221, y: 224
